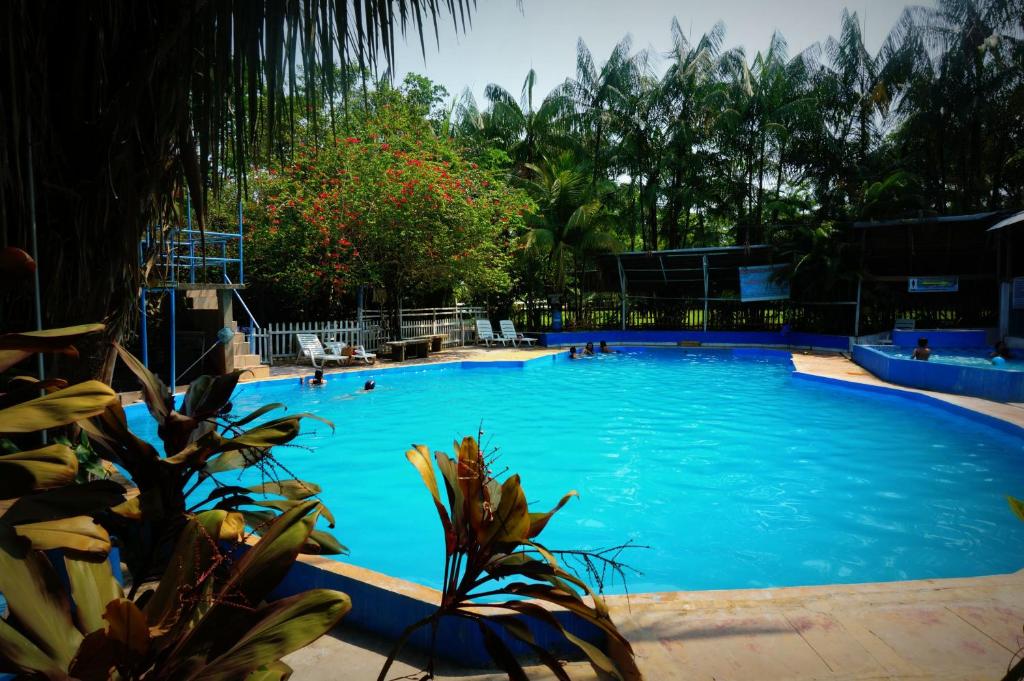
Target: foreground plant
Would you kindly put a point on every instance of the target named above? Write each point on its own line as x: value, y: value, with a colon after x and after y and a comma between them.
x: 490, y: 551
x: 1016, y: 670
x: 196, y: 605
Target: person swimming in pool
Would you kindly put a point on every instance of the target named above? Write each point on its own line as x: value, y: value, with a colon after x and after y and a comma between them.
x: 572, y: 353
x: 1001, y: 350
x: 588, y: 349
x: 318, y: 378
x: 604, y: 349
x: 922, y: 351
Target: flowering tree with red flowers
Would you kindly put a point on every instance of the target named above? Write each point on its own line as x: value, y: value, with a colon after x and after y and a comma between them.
x: 391, y: 206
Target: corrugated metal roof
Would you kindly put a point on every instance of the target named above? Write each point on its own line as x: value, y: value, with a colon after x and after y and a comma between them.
x: 935, y: 219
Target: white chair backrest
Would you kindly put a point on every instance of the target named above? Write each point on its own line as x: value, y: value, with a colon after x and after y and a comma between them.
x: 310, y: 343
x: 508, y: 329
x: 904, y: 325
x: 484, y: 329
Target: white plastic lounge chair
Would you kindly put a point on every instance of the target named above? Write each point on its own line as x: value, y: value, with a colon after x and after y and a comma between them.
x: 508, y: 330
x: 904, y: 325
x: 311, y: 347
x: 485, y: 333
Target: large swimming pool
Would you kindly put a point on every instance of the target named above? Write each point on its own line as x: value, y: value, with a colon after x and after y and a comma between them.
x: 734, y: 472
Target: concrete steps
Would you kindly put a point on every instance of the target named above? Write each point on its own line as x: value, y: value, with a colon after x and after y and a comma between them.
x: 255, y: 373
x: 204, y: 306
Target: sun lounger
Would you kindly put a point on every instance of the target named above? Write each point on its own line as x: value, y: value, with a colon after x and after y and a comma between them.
x: 311, y: 347
x: 508, y: 330
x: 485, y: 333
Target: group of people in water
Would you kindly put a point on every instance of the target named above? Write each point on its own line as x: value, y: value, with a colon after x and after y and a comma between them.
x: 589, y: 351
x: 1000, y: 352
x: 318, y: 379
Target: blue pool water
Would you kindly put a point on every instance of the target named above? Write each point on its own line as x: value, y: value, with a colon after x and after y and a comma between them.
x: 979, y: 358
x: 734, y: 472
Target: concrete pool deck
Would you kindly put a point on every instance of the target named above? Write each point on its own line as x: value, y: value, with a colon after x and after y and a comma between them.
x: 839, y: 368
x: 946, y: 629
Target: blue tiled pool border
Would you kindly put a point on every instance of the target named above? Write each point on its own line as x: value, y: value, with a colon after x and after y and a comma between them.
x: 794, y: 339
x: 989, y: 384
x: 966, y: 412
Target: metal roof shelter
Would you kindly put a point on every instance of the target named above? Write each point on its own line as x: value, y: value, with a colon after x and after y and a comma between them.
x: 703, y: 274
x: 962, y: 248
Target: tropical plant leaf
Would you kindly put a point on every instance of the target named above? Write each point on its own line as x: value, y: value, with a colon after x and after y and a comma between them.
x: 126, y: 625
x: 279, y: 628
x: 37, y: 602
x: 207, y: 395
x: 78, y: 533
x: 15, y: 347
x: 51, y: 466
x: 56, y: 409
x: 288, y: 504
x: 419, y: 457
x: 275, y: 671
x: 235, y: 459
x: 522, y: 632
x: 154, y: 393
x: 265, y: 409
x: 80, y: 499
x: 264, y: 565
x: 538, y: 521
x: 110, y: 431
x: 322, y: 543
x: 511, y: 522
x: 24, y: 388
x: 15, y: 264
x: 290, y: 489
x: 194, y: 554
x: 92, y: 587
x: 1017, y: 506
x: 501, y: 654
x: 25, y: 655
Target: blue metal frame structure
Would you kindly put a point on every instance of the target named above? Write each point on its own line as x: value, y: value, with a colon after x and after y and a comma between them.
x: 183, y: 260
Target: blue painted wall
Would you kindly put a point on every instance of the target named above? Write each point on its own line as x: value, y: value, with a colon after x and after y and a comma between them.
x: 990, y: 384
x: 942, y: 338
x: 388, y: 613
x: 793, y: 338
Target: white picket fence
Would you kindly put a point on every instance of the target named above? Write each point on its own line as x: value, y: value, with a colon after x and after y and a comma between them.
x: 457, y: 324
x: 276, y: 343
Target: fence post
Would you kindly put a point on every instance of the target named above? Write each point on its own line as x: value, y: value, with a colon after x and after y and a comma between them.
x: 622, y: 291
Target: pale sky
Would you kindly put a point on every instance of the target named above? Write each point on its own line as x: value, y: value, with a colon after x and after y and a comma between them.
x: 504, y: 42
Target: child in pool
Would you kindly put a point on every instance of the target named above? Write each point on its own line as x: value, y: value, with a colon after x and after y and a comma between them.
x: 922, y: 351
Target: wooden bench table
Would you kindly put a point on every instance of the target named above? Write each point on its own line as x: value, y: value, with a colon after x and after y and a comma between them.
x: 410, y: 348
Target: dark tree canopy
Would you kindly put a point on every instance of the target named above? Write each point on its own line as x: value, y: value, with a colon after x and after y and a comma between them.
x: 117, y: 107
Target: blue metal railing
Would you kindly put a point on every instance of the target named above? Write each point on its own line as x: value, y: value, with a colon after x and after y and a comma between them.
x: 188, y: 255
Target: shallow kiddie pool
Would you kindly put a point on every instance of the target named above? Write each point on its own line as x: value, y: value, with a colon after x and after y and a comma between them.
x: 733, y: 472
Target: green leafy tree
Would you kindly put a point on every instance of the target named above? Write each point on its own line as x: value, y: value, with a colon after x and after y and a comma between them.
x: 393, y: 206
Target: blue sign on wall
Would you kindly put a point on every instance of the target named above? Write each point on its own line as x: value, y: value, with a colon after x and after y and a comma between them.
x: 763, y: 283
x: 933, y: 284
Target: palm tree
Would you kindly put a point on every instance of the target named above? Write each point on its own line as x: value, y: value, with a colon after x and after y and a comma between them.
x: 524, y: 132
x: 111, y: 109
x: 764, y: 99
x: 689, y: 84
x: 971, y: 66
x: 571, y: 223
x: 854, y: 91
x: 595, y: 92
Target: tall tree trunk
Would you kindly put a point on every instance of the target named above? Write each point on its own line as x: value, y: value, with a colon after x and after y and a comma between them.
x: 758, y: 233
